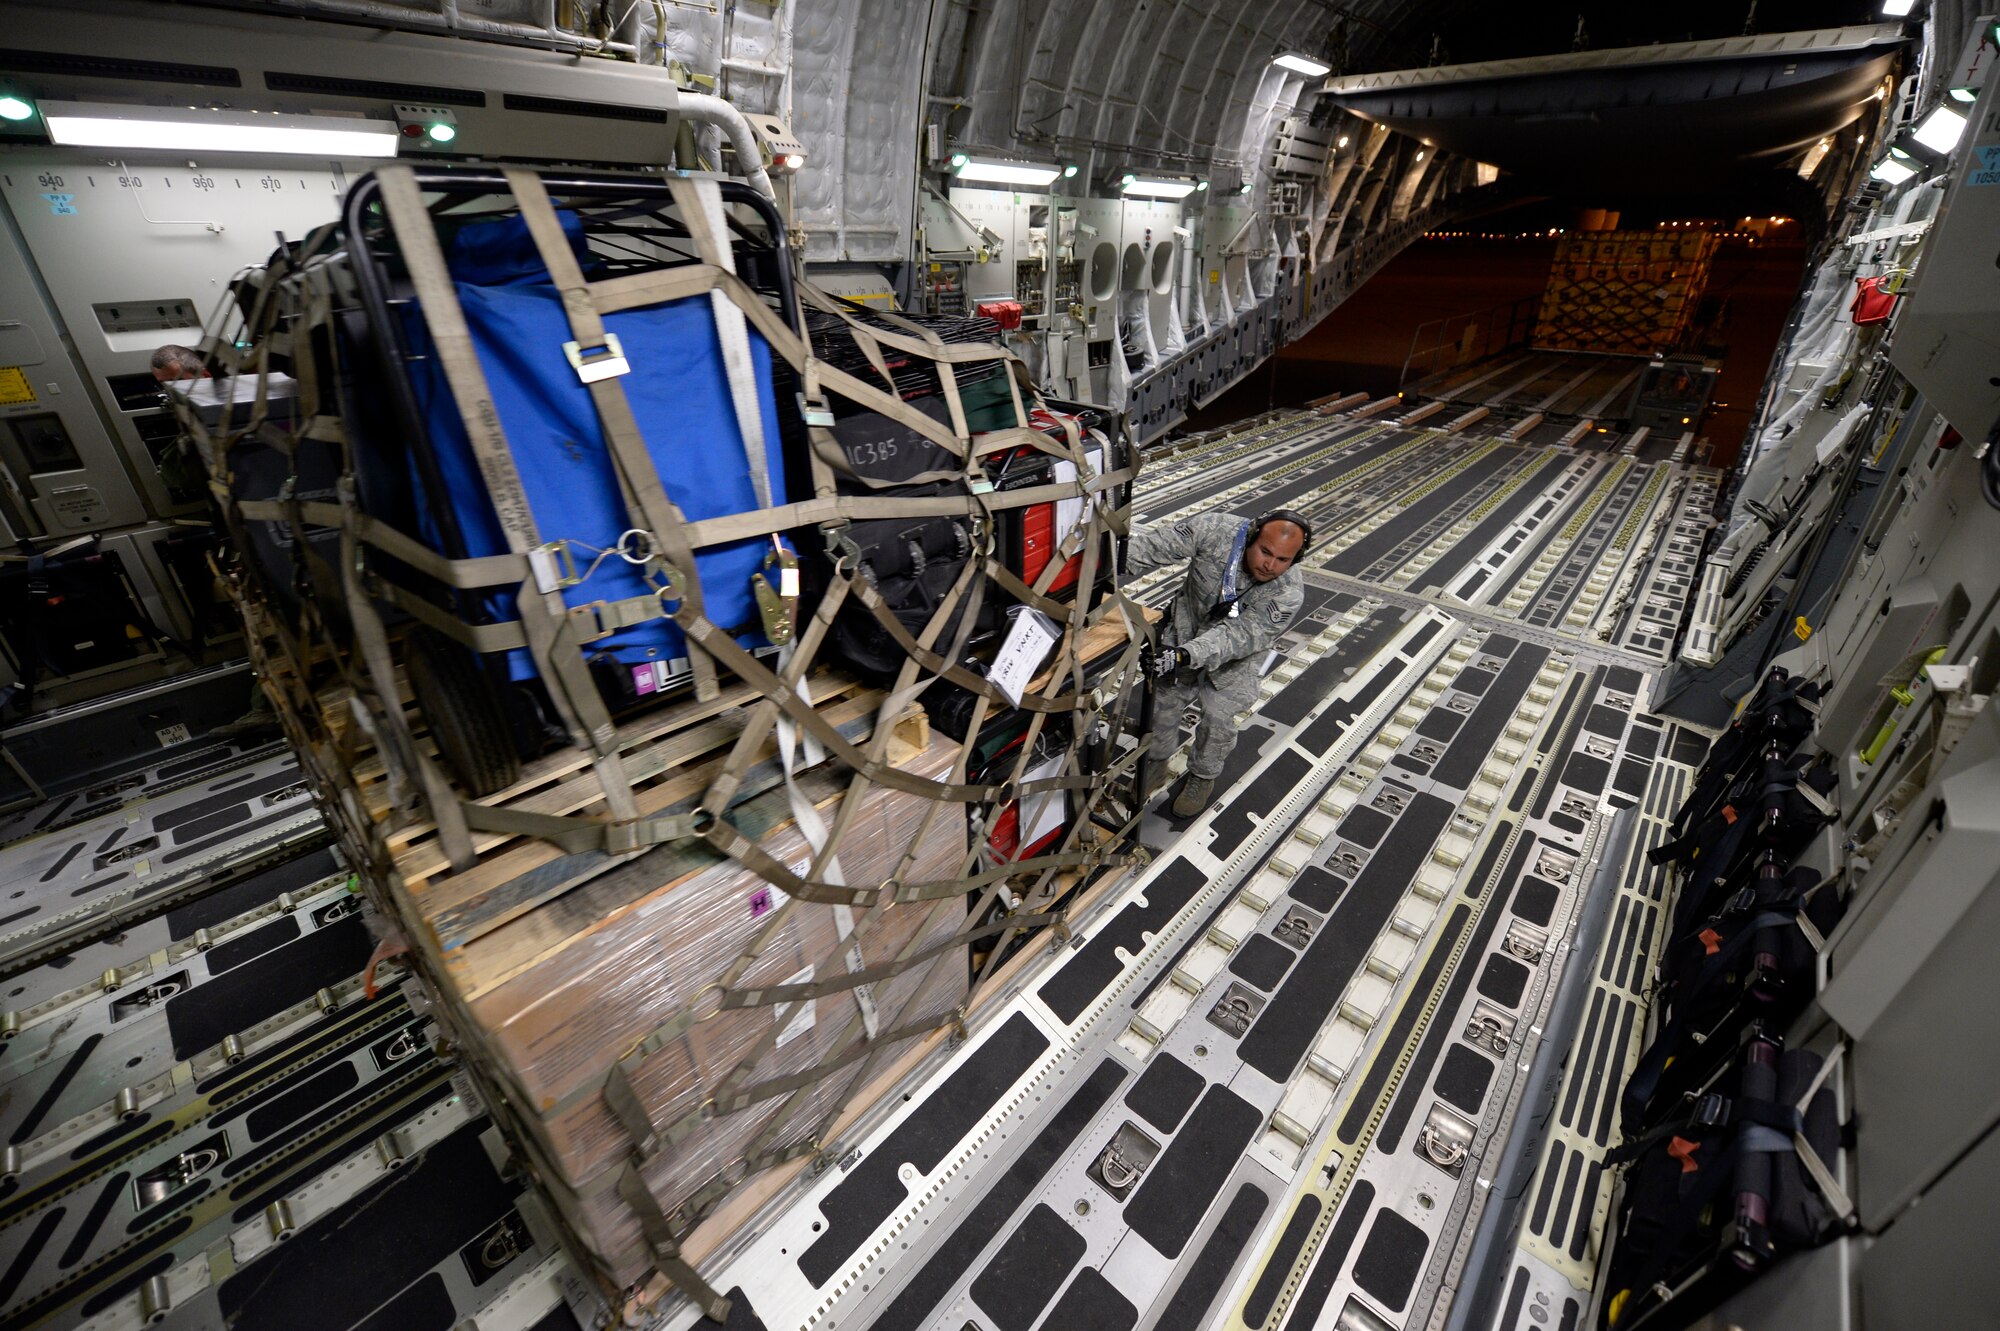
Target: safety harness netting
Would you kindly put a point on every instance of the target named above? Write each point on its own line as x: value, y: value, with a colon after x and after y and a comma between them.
x: 676, y: 951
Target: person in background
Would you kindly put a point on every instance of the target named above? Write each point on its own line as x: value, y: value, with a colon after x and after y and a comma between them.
x: 1239, y: 594
x: 173, y: 362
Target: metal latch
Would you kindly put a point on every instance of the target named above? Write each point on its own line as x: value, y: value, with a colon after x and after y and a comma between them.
x: 1236, y: 1009
x: 605, y: 362
x: 1446, y: 1139
x: 774, y: 604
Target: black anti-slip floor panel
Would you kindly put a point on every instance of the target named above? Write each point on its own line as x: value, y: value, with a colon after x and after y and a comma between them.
x: 1488, y: 531
x: 1092, y: 1302
x: 1586, y: 773
x: 1091, y: 968
x: 1517, y: 1294
x: 1441, y: 1033
x: 1318, y: 888
x: 301, y: 1100
x: 1390, y: 1258
x: 1278, y: 1269
x: 1185, y: 1180
x: 1248, y: 752
x: 1468, y: 752
x: 252, y: 943
x: 419, y: 1070
x: 1440, y: 724
x: 1384, y: 539
x: 875, y: 1187
x: 271, y: 983
x: 1535, y: 901
x: 1463, y: 1079
x: 1290, y: 705
x: 334, y: 1272
x: 1307, y: 479
x: 1028, y: 1270
x: 1165, y: 1093
x: 211, y: 909
x: 424, y: 1306
x: 1491, y: 855
x: 1188, y: 1309
x: 1624, y: 679
x: 1606, y: 721
x: 1332, y: 1259
x: 234, y: 836
x: 1275, y: 782
x: 1504, y: 981
x: 197, y: 812
x: 1365, y: 826
x: 1262, y: 962
x: 1474, y: 681
x: 52, y: 1093
x: 1332, y: 469
x: 742, y: 1317
x: 1292, y: 1020
x: 1690, y: 747
x: 1384, y: 1064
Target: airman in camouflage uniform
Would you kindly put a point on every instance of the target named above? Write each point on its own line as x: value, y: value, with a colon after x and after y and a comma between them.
x: 1240, y: 593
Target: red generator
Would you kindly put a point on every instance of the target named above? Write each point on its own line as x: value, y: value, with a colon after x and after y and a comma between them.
x: 1029, y: 537
x: 1017, y: 836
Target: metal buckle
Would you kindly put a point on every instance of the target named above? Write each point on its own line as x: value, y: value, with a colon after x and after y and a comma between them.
x: 1709, y: 1111
x: 605, y: 362
x: 554, y: 567
x: 1739, y: 901
x: 771, y: 611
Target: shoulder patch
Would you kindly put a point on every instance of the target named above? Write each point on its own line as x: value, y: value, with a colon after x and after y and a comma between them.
x: 1184, y: 527
x: 1281, y: 615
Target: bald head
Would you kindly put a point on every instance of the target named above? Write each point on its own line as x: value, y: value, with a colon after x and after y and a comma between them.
x: 174, y: 362
x: 1276, y: 545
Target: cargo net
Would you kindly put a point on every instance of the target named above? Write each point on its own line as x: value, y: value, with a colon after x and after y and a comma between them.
x: 683, y: 930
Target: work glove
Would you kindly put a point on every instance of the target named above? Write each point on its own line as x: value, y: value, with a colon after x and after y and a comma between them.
x: 1166, y: 661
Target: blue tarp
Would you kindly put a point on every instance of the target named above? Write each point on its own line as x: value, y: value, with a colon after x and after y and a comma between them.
x: 680, y: 398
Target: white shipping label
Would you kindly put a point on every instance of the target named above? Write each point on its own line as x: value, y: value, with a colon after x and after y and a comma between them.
x: 1069, y: 512
x: 1027, y: 643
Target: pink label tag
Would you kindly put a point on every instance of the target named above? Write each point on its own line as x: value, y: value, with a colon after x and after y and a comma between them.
x: 760, y: 902
x: 642, y: 679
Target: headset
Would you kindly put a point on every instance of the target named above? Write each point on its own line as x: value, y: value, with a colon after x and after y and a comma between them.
x: 1297, y: 519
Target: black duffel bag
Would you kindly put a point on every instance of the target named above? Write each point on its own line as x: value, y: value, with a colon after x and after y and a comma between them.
x: 913, y: 563
x: 1753, y: 959
x: 1721, y: 1191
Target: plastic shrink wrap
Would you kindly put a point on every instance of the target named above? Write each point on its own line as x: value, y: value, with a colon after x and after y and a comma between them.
x: 555, y: 1029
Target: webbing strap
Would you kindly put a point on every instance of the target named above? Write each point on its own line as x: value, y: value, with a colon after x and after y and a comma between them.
x: 581, y: 708
x: 701, y: 209
x: 666, y: 1249
x: 646, y: 496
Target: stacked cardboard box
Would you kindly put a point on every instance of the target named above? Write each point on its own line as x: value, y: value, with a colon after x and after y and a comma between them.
x: 1623, y: 292
x: 546, y: 1038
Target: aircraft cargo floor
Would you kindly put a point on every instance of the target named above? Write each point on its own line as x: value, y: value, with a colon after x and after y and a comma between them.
x: 1287, y: 1077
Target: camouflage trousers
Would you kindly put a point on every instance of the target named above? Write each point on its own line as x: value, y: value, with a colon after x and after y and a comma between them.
x: 1219, y: 699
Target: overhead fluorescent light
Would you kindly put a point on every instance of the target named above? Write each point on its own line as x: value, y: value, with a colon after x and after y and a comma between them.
x: 181, y: 129
x: 1965, y: 94
x: 1006, y: 173
x: 1891, y: 172
x: 1941, y: 129
x: 1898, y: 8
x: 1303, y: 64
x: 1157, y: 187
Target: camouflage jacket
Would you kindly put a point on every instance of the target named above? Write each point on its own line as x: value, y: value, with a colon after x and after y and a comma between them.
x: 1264, y: 610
